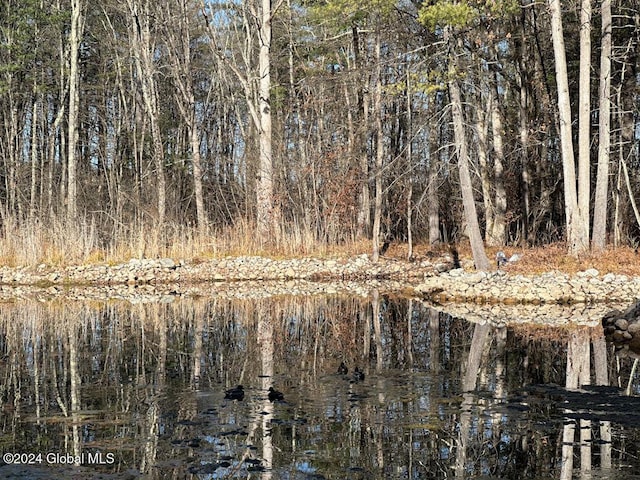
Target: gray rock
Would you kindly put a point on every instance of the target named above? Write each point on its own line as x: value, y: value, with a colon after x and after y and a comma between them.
x: 622, y: 324
x: 456, y: 272
x: 591, y: 272
x: 167, y: 263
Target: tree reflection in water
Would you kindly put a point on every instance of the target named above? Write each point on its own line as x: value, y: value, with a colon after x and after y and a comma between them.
x: 441, y: 397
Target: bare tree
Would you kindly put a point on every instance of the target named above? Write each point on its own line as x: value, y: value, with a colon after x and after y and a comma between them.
x: 377, y: 109
x: 178, y: 33
x: 584, y: 125
x: 599, y: 237
x: 264, y: 187
x: 257, y: 16
x: 497, y: 235
x: 143, y: 49
x: 364, y: 198
x: 75, y: 37
x: 470, y: 213
x: 577, y: 231
x: 493, y: 190
x: 484, y: 107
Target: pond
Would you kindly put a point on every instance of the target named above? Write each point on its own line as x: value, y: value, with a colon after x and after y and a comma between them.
x: 114, y: 389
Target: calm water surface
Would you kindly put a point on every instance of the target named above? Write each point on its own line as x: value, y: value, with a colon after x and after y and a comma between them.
x: 138, y: 391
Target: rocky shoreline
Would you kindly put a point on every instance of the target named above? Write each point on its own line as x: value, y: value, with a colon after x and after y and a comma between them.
x: 434, y: 280
x: 251, y: 268
x: 553, y: 287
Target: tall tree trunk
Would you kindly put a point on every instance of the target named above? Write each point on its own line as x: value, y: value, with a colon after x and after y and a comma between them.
x: 143, y: 52
x: 433, y: 202
x: 524, y: 145
x: 196, y: 160
x: 497, y: 236
x: 178, y: 35
x: 35, y: 148
x: 471, y: 216
x: 599, y: 238
x: 377, y: 109
x: 264, y: 185
x: 584, y: 132
x: 482, y: 129
x: 297, y: 132
x: 75, y: 35
x: 577, y: 237
x: 409, y: 157
x: 158, y: 156
x: 364, y: 198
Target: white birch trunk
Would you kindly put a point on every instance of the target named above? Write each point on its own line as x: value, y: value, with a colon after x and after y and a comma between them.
x: 264, y: 185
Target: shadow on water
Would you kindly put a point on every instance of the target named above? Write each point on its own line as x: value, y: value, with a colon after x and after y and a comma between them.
x: 363, y: 388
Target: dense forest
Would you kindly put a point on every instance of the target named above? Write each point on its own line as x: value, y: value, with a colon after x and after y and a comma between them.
x: 320, y: 122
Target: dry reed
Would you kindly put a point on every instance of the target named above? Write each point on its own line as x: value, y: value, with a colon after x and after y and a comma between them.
x: 60, y: 243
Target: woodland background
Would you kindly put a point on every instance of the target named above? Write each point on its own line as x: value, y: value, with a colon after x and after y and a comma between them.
x: 183, y: 127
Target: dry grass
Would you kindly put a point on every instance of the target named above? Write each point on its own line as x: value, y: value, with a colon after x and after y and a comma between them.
x: 60, y: 244
x: 292, y: 241
x: 32, y: 243
x: 621, y: 260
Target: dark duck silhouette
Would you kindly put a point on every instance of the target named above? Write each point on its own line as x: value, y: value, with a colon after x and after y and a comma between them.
x: 342, y: 369
x: 358, y: 375
x: 275, y: 395
x: 236, y: 393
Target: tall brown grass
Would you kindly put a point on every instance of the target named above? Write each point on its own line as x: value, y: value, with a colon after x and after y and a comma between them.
x: 60, y: 243
x: 620, y: 260
x: 31, y: 243
x: 536, y: 260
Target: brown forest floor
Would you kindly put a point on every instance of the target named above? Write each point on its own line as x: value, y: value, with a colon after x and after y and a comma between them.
x: 621, y: 260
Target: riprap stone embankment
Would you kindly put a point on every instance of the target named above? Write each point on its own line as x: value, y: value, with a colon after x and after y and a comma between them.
x: 433, y: 279
x: 166, y: 270
x: 588, y: 286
